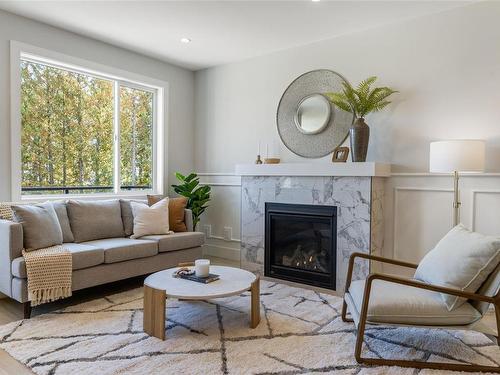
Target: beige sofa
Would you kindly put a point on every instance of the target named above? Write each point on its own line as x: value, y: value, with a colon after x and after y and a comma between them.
x: 100, y: 260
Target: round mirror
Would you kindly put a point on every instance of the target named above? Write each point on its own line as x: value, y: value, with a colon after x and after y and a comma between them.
x: 307, y: 123
x: 313, y: 114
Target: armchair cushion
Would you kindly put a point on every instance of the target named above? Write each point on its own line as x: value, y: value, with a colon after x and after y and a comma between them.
x: 461, y: 260
x: 403, y: 304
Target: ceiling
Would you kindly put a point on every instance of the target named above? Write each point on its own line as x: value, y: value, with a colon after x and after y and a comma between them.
x: 221, y: 31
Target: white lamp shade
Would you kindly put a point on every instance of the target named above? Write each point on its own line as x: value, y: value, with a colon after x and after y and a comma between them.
x: 457, y: 155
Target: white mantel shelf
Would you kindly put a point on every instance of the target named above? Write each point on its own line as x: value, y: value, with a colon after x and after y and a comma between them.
x: 367, y: 169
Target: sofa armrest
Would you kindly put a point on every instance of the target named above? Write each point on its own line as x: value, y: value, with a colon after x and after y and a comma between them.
x: 11, y: 247
x: 188, y: 219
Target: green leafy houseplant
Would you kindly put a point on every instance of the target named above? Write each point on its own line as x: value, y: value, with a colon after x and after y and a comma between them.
x: 198, y: 196
x: 361, y: 101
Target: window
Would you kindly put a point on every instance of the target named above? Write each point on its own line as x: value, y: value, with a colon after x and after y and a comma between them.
x: 83, y: 132
x: 136, y: 135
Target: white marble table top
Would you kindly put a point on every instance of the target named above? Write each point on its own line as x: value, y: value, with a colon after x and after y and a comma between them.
x: 232, y: 281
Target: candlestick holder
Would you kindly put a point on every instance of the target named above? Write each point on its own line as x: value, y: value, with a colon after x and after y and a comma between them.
x: 259, y: 160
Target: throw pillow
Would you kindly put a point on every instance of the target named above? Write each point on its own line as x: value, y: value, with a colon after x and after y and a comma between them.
x: 41, y: 227
x: 62, y: 216
x: 128, y: 215
x: 176, y: 207
x: 150, y: 220
x: 6, y: 212
x: 95, y: 220
x: 461, y: 260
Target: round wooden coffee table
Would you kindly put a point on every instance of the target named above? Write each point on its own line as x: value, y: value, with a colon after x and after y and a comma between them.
x: 162, y: 285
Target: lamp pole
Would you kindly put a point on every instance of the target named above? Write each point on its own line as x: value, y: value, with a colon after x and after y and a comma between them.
x: 456, y: 201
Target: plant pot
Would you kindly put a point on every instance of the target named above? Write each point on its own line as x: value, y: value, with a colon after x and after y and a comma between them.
x: 360, y: 135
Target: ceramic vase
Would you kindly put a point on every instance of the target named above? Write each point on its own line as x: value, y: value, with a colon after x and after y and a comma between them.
x: 360, y: 136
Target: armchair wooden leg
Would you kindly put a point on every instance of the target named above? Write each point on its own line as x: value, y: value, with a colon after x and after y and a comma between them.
x: 497, y: 315
x: 344, y: 313
x: 27, y: 310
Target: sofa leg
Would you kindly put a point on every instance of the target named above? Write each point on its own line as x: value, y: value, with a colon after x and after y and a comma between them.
x: 27, y: 310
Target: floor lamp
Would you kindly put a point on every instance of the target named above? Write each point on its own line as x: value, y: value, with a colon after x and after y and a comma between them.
x: 454, y: 157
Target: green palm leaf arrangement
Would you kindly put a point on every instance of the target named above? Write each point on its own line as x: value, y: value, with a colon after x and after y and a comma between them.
x: 363, y: 99
x: 198, y: 196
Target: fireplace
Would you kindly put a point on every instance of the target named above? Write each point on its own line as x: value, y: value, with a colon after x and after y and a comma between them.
x: 301, y: 243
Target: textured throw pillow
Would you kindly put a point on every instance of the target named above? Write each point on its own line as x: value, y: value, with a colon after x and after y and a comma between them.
x: 40, y: 225
x: 176, y: 207
x: 62, y: 216
x: 94, y: 220
x: 150, y: 220
x: 461, y: 260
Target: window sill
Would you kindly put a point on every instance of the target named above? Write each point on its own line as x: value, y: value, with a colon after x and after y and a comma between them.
x: 53, y: 197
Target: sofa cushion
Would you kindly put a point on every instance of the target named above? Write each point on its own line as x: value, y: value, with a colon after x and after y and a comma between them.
x: 121, y: 249
x: 83, y: 256
x: 62, y: 216
x: 94, y: 220
x: 395, y: 303
x: 177, y: 241
x: 40, y: 225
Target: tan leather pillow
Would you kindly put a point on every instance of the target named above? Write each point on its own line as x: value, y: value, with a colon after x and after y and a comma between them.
x: 176, y: 207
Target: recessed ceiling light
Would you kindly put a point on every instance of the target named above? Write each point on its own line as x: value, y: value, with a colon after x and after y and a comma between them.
x: 315, y: 1
x: 185, y: 40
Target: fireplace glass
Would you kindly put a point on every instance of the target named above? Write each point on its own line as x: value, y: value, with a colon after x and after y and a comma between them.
x: 301, y: 243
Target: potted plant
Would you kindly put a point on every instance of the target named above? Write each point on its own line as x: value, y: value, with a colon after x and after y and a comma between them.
x: 360, y: 101
x: 198, y: 196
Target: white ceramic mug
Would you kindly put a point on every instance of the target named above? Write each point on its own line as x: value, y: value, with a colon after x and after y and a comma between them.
x: 202, y: 267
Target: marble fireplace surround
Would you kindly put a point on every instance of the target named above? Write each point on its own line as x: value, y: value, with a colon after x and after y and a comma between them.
x: 355, y: 188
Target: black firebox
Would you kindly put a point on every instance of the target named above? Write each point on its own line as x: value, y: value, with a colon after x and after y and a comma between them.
x: 301, y: 243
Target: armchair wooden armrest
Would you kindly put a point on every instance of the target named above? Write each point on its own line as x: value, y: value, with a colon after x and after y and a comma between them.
x: 375, y: 258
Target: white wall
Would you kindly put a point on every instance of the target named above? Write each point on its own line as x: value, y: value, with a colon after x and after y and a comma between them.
x: 181, y: 82
x: 447, y: 69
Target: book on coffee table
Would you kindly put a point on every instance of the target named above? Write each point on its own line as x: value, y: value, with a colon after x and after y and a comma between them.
x: 204, y: 280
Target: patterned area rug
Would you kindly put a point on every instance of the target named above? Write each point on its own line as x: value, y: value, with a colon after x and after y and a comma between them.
x: 300, y: 333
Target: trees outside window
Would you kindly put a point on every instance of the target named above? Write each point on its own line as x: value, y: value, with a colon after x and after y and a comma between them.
x: 69, y: 126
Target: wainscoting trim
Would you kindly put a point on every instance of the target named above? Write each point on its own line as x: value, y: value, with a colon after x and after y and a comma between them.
x: 394, y: 174
x: 473, y: 194
x: 219, y: 183
x: 221, y: 251
x: 428, y: 174
x: 395, y: 210
x: 223, y: 239
x: 416, y: 174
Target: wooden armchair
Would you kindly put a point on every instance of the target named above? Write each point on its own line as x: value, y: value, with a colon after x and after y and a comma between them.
x: 389, y: 302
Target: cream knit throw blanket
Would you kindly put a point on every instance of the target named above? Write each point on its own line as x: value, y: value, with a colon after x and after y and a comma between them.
x: 49, y: 270
x: 49, y: 274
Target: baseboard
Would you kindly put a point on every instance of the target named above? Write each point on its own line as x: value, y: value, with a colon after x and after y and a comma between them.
x: 219, y: 251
